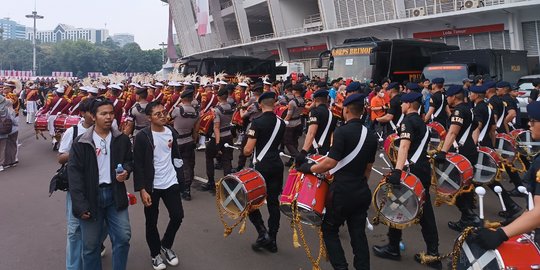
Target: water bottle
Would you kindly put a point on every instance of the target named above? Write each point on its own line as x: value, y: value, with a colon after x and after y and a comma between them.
x: 401, y: 245
x: 119, y: 169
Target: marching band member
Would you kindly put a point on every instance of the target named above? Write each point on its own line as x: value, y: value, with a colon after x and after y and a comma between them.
x: 352, y: 154
x: 414, y: 138
x: 264, y: 136
x: 137, y: 119
x: 53, y: 107
x: 186, y: 122
x: 118, y: 104
x: 510, y: 107
x: 438, y: 105
x: 394, y: 115
x: 32, y: 98
x: 460, y: 132
x: 252, y: 110
x: 221, y: 135
x: 294, y: 128
x: 530, y: 220
x: 176, y: 98
x: 74, y: 108
x: 208, y: 101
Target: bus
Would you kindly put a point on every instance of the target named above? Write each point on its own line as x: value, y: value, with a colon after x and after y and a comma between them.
x: 370, y: 58
x: 251, y: 67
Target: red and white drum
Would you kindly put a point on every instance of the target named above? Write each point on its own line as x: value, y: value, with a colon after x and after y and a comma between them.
x: 311, y: 199
x: 206, y: 123
x: 337, y: 110
x: 71, y: 120
x: 41, y: 123
x: 60, y: 122
x: 391, y: 147
x: 437, y: 135
x: 237, y: 119
x: 400, y: 207
x: 241, y: 191
x: 526, y: 146
x: 281, y: 111
x: 453, y: 174
x: 288, y: 195
x: 487, y: 166
x: 519, y: 252
x: 506, y: 147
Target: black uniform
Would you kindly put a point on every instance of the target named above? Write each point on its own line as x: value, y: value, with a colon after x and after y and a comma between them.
x: 533, y: 183
x: 319, y: 116
x: 350, y: 196
x: 395, y: 110
x: 497, y: 107
x: 270, y: 167
x: 509, y: 104
x: 414, y: 129
x: 438, y: 102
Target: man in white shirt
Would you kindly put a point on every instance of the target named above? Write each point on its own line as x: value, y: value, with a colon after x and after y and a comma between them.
x: 158, y: 174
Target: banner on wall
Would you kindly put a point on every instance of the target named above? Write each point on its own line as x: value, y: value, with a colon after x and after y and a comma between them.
x: 203, y: 18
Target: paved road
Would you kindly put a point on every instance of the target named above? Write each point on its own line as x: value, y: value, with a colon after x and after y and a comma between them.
x: 32, y: 226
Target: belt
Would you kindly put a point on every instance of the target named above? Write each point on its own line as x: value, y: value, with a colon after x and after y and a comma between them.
x: 104, y: 185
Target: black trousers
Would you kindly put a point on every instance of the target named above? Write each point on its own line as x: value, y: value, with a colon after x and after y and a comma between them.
x: 465, y: 201
x: 173, y: 202
x: 347, y: 205
x: 187, y: 152
x: 241, y: 158
x: 427, y: 220
x: 290, y: 139
x: 226, y: 156
x: 274, y: 184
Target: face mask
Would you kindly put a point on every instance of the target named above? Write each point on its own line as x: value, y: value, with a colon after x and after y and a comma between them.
x: 381, y: 94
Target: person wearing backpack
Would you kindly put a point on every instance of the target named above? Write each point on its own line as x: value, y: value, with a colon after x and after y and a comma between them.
x: 8, y: 129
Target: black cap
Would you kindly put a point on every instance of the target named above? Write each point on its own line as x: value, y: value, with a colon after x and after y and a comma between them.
x: 393, y: 85
x: 267, y: 95
x: 454, y: 90
x: 354, y: 98
x: 533, y: 110
x: 320, y: 93
x: 411, y: 97
x: 298, y: 87
x: 322, y: 84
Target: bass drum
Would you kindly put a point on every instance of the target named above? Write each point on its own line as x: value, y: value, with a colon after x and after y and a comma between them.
x: 453, y: 175
x: 437, y: 135
x: 41, y: 123
x: 505, y: 146
x: 241, y: 191
x: 487, y: 167
x: 207, y: 123
x: 526, y: 146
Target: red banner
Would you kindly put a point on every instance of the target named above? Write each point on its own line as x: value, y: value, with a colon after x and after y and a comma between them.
x: 320, y: 47
x: 461, y: 31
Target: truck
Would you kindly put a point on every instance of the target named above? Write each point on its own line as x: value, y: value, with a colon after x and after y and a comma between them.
x: 370, y: 58
x: 252, y: 67
x: 454, y: 66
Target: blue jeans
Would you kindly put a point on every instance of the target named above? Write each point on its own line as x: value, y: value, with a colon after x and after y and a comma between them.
x: 74, y: 239
x: 119, y: 232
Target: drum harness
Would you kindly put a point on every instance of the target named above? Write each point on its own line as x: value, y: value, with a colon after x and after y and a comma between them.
x: 396, y: 125
x: 318, y: 144
x: 439, y: 110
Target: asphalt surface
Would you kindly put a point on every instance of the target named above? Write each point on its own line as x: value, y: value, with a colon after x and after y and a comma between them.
x: 33, y: 225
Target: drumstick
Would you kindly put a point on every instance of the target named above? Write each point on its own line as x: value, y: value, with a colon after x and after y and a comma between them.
x: 498, y: 190
x: 377, y: 171
x: 288, y: 156
x: 369, y: 225
x: 231, y: 146
x: 380, y: 137
x: 523, y: 190
x: 480, y: 191
x: 381, y: 155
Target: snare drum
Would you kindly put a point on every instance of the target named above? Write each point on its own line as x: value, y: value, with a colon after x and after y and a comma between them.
x: 453, y: 175
x: 437, y: 135
x: 206, y: 123
x: 400, y: 207
x: 281, y: 111
x: 526, y: 146
x: 41, y: 123
x: 337, y: 111
x: 71, y: 120
x: 487, y: 166
x: 505, y: 146
x: 311, y: 199
x: 241, y: 191
x: 305, y: 111
x: 60, y: 122
x: 292, y: 186
x: 519, y: 252
x: 237, y: 119
x: 391, y: 147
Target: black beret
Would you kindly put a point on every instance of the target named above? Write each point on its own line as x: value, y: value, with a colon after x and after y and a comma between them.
x: 267, y: 95
x: 411, y: 97
x: 478, y: 89
x: 454, y: 90
x: 320, y: 93
x: 188, y: 92
x: 438, y: 81
x: 354, y: 98
x: 533, y: 110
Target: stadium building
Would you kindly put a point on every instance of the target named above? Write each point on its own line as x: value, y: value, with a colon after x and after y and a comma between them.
x: 299, y: 30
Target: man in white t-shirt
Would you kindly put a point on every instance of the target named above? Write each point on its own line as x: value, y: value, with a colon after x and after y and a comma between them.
x: 158, y: 175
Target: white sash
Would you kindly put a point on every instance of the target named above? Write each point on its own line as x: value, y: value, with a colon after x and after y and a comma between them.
x: 464, y: 136
x: 499, y: 122
x: 209, y: 103
x: 158, y: 96
x: 56, y: 105
x: 485, y: 128
x: 416, y: 154
x: 395, y: 126
x: 260, y: 156
x: 342, y: 163
x: 318, y: 144
x: 440, y: 108
x: 114, y: 103
x: 75, y: 108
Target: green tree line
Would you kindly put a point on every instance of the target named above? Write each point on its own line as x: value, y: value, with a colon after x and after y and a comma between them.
x: 79, y: 57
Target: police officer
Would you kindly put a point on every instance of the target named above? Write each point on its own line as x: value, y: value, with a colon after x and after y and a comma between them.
x: 293, y: 131
x: 349, y: 193
x: 221, y: 135
x: 530, y: 220
x: 186, y: 123
x: 484, y: 135
x: 321, y: 126
x: 136, y: 116
x: 269, y: 164
x: 460, y: 132
x: 438, y: 105
x: 394, y: 115
x: 414, y: 138
x: 510, y: 107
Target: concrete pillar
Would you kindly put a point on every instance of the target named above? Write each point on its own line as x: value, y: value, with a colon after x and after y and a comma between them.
x: 330, y: 42
x: 515, y: 31
x: 276, y: 16
x: 283, y: 52
x: 399, y: 6
x: 215, y: 11
x: 185, y: 23
x: 241, y: 20
x: 328, y: 14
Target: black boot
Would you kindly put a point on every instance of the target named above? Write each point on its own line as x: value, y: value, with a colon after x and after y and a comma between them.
x: 387, y: 252
x: 468, y: 219
x: 511, y: 211
x: 263, y: 240
x: 210, y: 186
x: 186, y: 195
x: 272, y: 246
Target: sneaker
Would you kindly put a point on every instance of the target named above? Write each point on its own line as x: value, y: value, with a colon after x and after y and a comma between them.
x: 103, y: 250
x: 1, y: 168
x: 170, y: 256
x: 186, y: 195
x: 157, y: 263
x: 201, y: 147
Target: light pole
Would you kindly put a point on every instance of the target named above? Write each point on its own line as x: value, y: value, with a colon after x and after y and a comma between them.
x: 34, y: 16
x: 163, y: 44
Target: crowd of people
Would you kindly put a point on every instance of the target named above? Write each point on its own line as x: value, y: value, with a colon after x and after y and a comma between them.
x: 151, y: 131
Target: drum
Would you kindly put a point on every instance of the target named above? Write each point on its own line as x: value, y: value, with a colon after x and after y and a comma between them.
x: 391, y: 147
x: 237, y: 119
x: 241, y: 191
x: 281, y: 111
x: 292, y: 186
x: 337, y: 111
x: 505, y: 146
x: 311, y: 199
x: 487, y: 166
x: 305, y: 111
x: 41, y: 123
x: 525, y: 144
x: 453, y: 175
x: 400, y: 207
x: 206, y: 123
x: 519, y: 252
x: 60, y: 122
x: 71, y: 120
x: 437, y: 135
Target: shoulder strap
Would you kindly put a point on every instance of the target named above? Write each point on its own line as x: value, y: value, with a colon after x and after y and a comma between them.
x: 75, y: 132
x: 501, y: 117
x: 318, y: 144
x: 114, y: 103
x: 260, y: 156
x: 486, y: 126
x: 466, y: 133
x: 139, y: 108
x: 342, y: 163
x: 56, y: 105
x: 420, y: 149
x: 209, y: 104
x: 440, y: 108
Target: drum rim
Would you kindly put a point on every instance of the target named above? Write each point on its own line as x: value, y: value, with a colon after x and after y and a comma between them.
x: 419, y: 203
x: 489, y: 154
x: 498, y: 256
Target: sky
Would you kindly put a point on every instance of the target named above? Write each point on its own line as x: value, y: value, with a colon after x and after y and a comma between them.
x: 146, y: 19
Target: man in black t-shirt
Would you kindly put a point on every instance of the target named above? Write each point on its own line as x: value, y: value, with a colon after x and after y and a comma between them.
x: 393, y: 115
x: 438, y: 106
